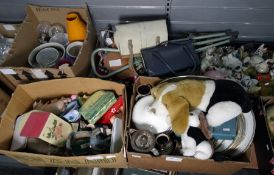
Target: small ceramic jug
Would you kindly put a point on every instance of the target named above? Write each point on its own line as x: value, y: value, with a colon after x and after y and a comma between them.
x: 76, y: 27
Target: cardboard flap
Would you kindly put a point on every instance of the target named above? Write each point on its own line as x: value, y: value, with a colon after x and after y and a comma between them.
x: 102, y: 160
x: 88, y: 47
x: 23, y: 44
x: 55, y: 14
x: 4, y: 100
x: 19, y: 103
x: 68, y: 86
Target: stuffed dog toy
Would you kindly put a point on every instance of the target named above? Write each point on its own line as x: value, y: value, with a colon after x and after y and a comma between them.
x: 177, y: 105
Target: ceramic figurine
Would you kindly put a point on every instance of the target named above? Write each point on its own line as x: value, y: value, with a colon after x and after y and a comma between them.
x: 262, y: 67
x: 211, y: 59
x: 207, y: 59
x: 260, y: 51
x: 54, y: 106
x: 247, y: 82
x: 232, y: 63
x: 256, y: 60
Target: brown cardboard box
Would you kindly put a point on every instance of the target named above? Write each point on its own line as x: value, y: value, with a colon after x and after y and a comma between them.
x: 23, y: 99
x: 263, y: 141
x: 16, y: 70
x: 180, y: 163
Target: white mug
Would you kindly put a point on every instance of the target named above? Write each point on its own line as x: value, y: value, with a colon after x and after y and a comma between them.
x: 73, y: 49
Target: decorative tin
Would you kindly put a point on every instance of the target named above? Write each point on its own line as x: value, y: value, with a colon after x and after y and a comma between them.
x: 47, y: 127
x: 96, y: 105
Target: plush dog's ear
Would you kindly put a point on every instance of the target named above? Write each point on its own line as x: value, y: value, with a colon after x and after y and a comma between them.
x: 178, y: 108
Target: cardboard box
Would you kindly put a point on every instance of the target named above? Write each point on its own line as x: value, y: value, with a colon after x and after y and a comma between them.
x: 263, y: 141
x: 16, y: 70
x: 181, y: 163
x: 22, y: 101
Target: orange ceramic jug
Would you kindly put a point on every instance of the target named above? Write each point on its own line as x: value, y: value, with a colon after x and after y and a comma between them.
x: 76, y: 27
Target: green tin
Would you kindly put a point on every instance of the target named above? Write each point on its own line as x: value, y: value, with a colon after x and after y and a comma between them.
x: 96, y: 105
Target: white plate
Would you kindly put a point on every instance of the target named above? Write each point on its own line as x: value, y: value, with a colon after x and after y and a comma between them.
x: 223, y: 145
x: 32, y: 56
x: 250, y: 125
x: 242, y: 142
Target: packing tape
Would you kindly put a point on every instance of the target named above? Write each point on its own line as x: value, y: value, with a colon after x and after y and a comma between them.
x: 9, y: 27
x: 174, y: 159
x: 110, y: 156
x: 94, y: 157
x: 38, y: 73
x: 7, y: 71
x: 136, y: 156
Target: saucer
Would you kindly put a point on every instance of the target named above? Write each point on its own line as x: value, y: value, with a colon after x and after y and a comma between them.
x: 32, y: 59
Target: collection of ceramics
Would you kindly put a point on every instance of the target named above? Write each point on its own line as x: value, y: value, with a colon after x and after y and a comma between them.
x: 58, y: 45
x: 250, y: 66
x: 75, y: 125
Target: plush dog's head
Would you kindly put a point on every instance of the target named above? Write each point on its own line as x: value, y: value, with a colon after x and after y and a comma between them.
x: 151, y: 115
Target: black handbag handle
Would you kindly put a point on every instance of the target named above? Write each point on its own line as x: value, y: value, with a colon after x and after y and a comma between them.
x: 158, y: 55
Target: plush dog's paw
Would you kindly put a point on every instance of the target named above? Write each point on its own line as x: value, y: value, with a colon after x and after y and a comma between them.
x: 203, y: 151
x: 188, y: 152
x: 188, y: 145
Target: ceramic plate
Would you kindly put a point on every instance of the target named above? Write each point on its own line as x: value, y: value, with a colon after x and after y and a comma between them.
x: 245, y: 134
x: 32, y: 56
x: 248, y: 134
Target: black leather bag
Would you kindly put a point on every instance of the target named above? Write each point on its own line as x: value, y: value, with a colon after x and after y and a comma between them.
x: 171, y: 58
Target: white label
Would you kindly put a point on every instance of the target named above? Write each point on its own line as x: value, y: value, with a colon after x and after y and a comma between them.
x: 110, y: 156
x: 94, y: 157
x: 136, y: 156
x: 9, y: 27
x: 8, y: 71
x: 115, y: 63
x: 226, y: 129
x: 38, y: 73
x: 174, y: 159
